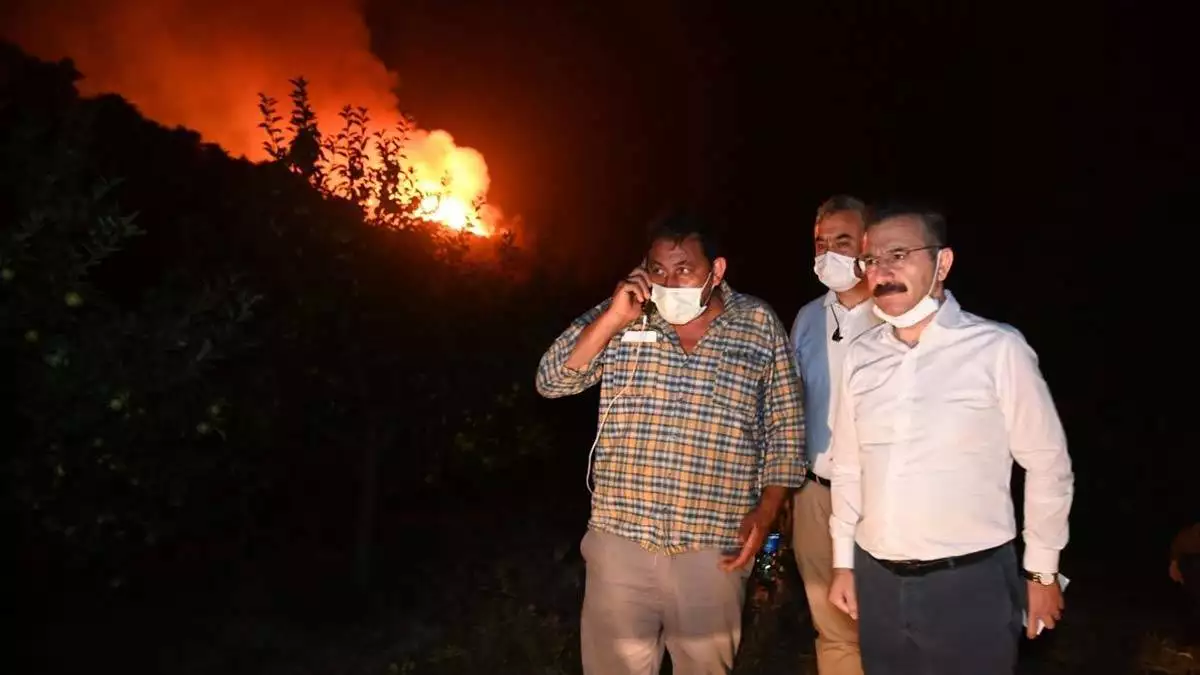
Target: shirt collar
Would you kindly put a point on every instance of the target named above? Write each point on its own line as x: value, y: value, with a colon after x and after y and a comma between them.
x: 733, y: 299
x: 950, y: 314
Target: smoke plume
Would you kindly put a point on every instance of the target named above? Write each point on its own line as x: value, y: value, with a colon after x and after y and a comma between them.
x: 202, y: 63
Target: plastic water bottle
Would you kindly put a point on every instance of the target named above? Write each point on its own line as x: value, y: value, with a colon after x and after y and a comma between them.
x: 766, y: 563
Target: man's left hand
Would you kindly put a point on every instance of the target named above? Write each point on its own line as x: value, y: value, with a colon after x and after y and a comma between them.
x: 752, y: 533
x: 1045, y: 605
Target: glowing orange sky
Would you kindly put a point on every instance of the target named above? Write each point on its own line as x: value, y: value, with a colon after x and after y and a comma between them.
x: 201, y: 64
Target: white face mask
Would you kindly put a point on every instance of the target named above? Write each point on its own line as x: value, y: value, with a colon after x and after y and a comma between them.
x: 928, y: 305
x: 679, y: 305
x: 836, y: 271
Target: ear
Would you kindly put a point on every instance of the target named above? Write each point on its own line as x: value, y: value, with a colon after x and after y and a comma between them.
x: 718, y: 271
x: 945, y: 262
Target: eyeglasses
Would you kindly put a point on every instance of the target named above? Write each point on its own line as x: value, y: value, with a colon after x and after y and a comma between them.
x: 887, y: 260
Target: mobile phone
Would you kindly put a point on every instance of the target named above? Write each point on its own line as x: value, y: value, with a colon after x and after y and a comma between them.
x: 648, y: 307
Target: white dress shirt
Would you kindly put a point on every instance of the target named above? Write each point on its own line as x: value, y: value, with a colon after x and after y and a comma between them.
x: 819, y: 363
x: 923, y: 443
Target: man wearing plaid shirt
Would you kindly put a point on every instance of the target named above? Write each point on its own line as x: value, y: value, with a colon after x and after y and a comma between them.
x: 701, y: 439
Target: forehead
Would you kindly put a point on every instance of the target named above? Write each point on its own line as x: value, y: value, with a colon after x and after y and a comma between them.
x: 842, y: 223
x: 669, y: 253
x: 893, y: 233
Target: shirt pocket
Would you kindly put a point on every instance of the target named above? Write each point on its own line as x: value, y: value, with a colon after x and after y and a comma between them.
x: 631, y: 368
x: 735, y: 383
x: 636, y: 389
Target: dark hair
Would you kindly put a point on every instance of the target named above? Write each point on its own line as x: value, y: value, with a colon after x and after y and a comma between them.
x: 678, y: 225
x: 839, y: 203
x: 932, y: 222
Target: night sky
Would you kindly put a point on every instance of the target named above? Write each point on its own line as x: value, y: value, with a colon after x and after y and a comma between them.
x: 1056, y: 139
x: 1033, y: 130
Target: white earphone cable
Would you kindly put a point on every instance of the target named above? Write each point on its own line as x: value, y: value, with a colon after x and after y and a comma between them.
x: 607, y: 409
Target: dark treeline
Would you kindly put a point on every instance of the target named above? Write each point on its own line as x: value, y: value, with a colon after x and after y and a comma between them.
x: 216, y: 373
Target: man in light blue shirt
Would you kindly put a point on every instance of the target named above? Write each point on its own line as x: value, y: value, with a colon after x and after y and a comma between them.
x: 820, y: 335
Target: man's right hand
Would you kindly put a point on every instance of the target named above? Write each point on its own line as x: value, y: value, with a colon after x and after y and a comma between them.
x: 841, y: 592
x: 628, y: 297
x: 626, y: 305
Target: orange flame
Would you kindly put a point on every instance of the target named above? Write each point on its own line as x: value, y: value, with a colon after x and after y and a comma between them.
x: 435, y: 158
x: 449, y: 182
x: 202, y: 63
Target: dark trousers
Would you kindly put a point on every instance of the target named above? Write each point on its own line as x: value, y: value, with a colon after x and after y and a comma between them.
x: 959, y: 621
x: 1189, y: 567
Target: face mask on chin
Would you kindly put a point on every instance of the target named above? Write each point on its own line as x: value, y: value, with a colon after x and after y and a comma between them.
x: 679, y: 305
x: 918, y: 313
x: 836, y: 271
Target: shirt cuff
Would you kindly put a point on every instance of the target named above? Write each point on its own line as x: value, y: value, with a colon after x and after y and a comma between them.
x: 572, y: 376
x: 1039, y: 559
x: 785, y: 471
x: 843, y: 553
x: 589, y: 367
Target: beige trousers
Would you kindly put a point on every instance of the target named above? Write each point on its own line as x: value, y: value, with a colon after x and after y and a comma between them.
x: 636, y: 603
x: 837, y: 633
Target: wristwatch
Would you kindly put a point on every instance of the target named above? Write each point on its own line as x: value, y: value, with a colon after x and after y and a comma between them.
x: 1041, y: 577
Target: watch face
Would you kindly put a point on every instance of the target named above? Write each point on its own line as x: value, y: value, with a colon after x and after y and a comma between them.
x: 1041, y: 578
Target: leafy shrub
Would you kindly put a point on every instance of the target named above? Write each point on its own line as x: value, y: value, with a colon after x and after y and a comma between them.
x: 217, y: 361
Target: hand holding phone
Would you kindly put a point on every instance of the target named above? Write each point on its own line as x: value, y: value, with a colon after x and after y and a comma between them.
x: 631, y: 295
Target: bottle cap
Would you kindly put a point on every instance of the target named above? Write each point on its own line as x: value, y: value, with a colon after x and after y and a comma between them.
x: 771, y: 545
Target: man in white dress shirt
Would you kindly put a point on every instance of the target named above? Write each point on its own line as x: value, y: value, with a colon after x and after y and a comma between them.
x: 821, y: 333
x: 934, y: 406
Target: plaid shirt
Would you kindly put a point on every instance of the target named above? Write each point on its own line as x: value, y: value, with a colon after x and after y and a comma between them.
x: 686, y: 449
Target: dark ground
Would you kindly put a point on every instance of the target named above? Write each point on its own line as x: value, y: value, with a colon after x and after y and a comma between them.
x: 498, y: 591
x: 493, y: 584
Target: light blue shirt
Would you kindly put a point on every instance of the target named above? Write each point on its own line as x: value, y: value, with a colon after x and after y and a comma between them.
x: 818, y: 362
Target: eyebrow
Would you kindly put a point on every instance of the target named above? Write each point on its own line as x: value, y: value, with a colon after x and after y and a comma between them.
x: 895, y: 249
x: 659, y: 263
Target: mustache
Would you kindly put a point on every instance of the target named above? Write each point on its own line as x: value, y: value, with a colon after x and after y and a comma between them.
x: 889, y: 288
